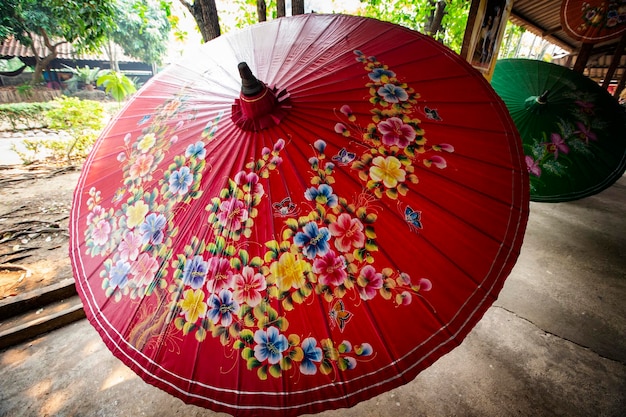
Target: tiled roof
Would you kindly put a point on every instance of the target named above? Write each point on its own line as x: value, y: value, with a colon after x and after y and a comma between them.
x: 11, y: 47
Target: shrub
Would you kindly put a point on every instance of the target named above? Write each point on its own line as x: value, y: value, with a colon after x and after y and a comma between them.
x: 82, y: 119
x: 25, y: 115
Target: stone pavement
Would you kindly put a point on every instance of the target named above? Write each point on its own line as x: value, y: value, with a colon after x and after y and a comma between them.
x: 553, y: 344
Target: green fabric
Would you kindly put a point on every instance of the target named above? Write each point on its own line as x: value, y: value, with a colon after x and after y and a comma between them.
x: 589, y: 153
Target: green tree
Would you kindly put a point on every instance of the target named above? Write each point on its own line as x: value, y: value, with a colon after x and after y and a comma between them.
x: 117, y: 84
x: 142, y: 30
x: 84, y: 23
x: 424, y: 16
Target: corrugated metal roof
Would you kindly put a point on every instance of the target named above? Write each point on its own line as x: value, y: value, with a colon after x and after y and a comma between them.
x: 543, y: 18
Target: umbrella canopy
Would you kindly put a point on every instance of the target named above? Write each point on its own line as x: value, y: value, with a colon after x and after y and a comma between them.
x: 299, y: 216
x: 593, y: 21
x: 573, y: 131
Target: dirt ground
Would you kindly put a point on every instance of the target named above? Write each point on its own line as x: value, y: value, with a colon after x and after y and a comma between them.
x: 35, y: 204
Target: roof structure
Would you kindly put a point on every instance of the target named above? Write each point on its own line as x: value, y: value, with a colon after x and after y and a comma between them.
x: 67, y: 54
x: 543, y: 18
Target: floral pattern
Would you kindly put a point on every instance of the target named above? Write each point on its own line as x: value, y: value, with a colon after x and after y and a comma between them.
x: 608, y: 14
x: 215, y: 286
x: 552, y: 153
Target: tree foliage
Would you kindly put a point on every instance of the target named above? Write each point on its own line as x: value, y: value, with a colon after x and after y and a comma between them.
x: 84, y: 23
x: 142, y: 29
x: 420, y: 14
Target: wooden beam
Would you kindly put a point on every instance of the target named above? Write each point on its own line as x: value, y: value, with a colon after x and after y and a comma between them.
x: 549, y: 32
x: 583, y: 57
x: 617, y: 57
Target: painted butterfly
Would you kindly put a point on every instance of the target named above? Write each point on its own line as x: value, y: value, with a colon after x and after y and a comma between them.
x: 285, y: 208
x: 432, y: 114
x: 344, y: 157
x: 144, y: 119
x: 339, y: 316
x: 413, y: 218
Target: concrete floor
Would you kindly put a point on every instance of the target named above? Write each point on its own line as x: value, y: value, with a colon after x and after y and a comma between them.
x: 554, y: 344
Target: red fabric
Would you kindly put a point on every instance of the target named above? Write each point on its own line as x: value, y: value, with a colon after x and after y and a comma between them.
x: 314, y: 262
x: 593, y: 21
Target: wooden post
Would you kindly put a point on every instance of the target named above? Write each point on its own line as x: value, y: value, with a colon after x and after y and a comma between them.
x: 469, y: 29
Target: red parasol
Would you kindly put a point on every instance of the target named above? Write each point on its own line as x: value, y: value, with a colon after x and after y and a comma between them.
x: 305, y: 232
x: 593, y: 21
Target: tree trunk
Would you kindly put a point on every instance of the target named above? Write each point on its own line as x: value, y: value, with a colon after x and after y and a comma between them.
x: 205, y: 14
x: 42, y: 63
x: 280, y: 8
x: 297, y: 7
x: 261, y: 10
x: 437, y: 16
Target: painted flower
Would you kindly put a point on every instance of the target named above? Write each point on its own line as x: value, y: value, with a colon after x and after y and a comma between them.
x: 129, y: 246
x: 533, y: 166
x: 396, y: 132
x: 347, y: 111
x: 437, y: 161
x: 424, y: 284
x: 585, y: 133
x: 443, y: 147
x: 180, y: 181
x: 96, y: 213
x: 195, y: 272
x: 586, y: 107
x: 289, y: 271
x: 377, y: 74
x: 233, y: 214
x: 342, y: 129
x: 312, y: 353
x: 320, y: 145
x: 193, y: 305
x: 322, y: 195
x: 313, y: 240
x: 141, y: 167
x: 118, y: 275
x: 404, y: 298
x: 136, y: 214
x: 196, y: 150
x: 248, y: 286
x: 222, y: 308
x: 348, y: 233
x: 369, y: 282
x: 220, y: 276
x: 557, y: 144
x: 146, y: 143
x: 279, y: 145
x: 152, y: 229
x: 101, y: 232
x: 250, y: 180
x: 330, y: 269
x: 144, y: 269
x: 270, y: 345
x: 392, y: 93
x: 387, y: 170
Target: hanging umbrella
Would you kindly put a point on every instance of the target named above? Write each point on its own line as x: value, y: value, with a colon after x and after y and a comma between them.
x: 593, y: 21
x: 573, y: 131
x: 302, y: 215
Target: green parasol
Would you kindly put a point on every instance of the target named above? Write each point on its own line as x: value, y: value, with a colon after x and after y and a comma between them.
x: 573, y: 131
